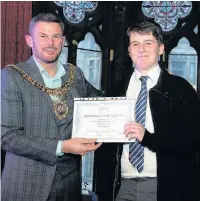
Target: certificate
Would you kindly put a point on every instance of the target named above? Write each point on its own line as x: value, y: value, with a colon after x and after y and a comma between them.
x: 102, y: 118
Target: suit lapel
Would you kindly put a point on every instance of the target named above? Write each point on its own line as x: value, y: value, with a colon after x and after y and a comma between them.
x: 33, y: 71
x: 65, y: 79
x: 160, y: 94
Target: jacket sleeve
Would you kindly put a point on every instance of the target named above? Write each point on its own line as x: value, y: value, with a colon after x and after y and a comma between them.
x: 83, y: 85
x: 14, y: 139
x: 181, y: 131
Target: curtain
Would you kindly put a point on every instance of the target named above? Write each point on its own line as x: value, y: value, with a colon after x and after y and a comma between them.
x: 15, y: 17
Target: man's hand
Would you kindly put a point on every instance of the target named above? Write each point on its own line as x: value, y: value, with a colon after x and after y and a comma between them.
x: 79, y: 146
x: 134, y: 130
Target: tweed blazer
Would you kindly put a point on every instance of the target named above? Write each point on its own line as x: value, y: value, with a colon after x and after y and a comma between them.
x: 29, y: 131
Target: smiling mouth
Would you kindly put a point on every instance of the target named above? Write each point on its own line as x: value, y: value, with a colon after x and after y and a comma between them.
x: 49, y: 52
x: 144, y: 56
x: 49, y: 49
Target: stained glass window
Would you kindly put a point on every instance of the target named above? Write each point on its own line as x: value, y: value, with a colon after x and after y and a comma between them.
x: 74, y: 11
x: 166, y: 13
x: 183, y: 61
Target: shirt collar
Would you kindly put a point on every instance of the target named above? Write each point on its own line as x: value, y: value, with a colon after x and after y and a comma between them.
x: 60, y: 72
x: 153, y: 73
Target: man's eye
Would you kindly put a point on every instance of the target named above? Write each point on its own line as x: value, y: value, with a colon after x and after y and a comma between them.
x: 57, y: 36
x: 134, y: 44
x: 42, y: 36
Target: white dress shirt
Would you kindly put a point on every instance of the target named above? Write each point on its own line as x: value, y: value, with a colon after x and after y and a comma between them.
x: 53, y: 82
x: 127, y: 169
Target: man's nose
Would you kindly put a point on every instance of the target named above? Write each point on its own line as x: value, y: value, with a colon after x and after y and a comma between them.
x: 50, y: 41
x: 141, y: 48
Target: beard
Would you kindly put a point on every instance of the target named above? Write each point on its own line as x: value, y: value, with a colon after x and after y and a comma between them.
x: 43, y: 58
x: 50, y: 61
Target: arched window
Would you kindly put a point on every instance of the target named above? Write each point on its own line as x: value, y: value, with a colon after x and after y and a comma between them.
x: 196, y: 29
x: 183, y: 61
x: 64, y: 54
x: 89, y: 59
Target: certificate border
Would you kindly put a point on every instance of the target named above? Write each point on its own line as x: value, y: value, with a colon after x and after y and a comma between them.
x: 95, y: 100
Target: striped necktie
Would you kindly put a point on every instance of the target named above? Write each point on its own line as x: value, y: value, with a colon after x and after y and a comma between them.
x: 136, y: 150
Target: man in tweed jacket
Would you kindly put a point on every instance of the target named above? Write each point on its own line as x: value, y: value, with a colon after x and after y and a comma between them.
x: 42, y: 161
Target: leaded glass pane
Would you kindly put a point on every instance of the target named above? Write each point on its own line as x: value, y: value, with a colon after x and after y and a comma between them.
x: 89, y: 59
x: 74, y: 11
x: 90, y: 5
x: 87, y: 172
x: 73, y: 15
x: 166, y: 13
x: 183, y: 61
x: 64, y: 54
x: 196, y: 30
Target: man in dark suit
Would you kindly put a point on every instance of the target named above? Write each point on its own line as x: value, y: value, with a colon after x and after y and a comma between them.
x: 42, y: 161
x: 162, y: 164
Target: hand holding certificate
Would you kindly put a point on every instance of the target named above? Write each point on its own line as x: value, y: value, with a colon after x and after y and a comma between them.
x: 102, y: 118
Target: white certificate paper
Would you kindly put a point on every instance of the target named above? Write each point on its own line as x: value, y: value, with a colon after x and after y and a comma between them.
x: 102, y: 118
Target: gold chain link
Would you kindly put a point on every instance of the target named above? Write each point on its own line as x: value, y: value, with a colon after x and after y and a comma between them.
x: 60, y: 91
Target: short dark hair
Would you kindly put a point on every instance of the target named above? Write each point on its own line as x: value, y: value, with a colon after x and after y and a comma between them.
x: 45, y: 17
x: 145, y: 27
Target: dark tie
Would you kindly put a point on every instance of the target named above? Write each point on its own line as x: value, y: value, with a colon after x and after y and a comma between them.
x: 136, y: 150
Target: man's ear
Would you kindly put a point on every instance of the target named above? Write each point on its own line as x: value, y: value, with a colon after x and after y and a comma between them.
x: 63, y: 40
x: 29, y: 40
x: 161, y: 49
x: 128, y: 51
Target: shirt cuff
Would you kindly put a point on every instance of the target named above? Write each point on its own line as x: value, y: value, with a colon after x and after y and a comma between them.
x: 59, y: 147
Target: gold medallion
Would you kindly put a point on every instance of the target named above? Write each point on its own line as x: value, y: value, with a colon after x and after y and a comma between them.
x: 61, y: 109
